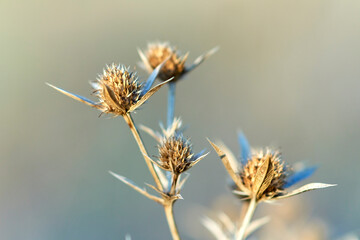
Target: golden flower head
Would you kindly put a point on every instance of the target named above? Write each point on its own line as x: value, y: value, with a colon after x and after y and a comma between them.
x: 119, y: 90
x: 159, y: 52
x: 175, y: 151
x: 265, y: 174
x: 262, y: 175
x: 175, y: 154
x: 175, y: 67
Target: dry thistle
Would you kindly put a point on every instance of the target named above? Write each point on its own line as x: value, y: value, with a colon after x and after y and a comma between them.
x: 175, y: 153
x: 175, y: 67
x: 119, y: 90
x: 262, y: 174
x: 175, y: 157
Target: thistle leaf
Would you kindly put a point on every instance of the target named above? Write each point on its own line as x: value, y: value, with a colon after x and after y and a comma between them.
x: 267, y: 180
x: 214, y: 228
x: 164, y: 195
x: 240, y: 193
x: 182, y: 181
x: 228, y: 167
x: 110, y: 96
x: 145, y: 61
x: 137, y: 188
x: 197, y: 159
x: 255, y: 225
x: 227, y: 222
x: 162, y: 178
x: 154, y: 162
x: 77, y: 97
x: 151, y: 132
x: 305, y: 188
x: 201, y: 59
x: 148, y: 95
x: 245, y: 148
x: 299, y: 176
x: 232, y: 159
x: 261, y: 175
x: 149, y: 82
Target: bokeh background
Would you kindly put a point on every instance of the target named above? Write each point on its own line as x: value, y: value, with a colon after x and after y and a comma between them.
x: 287, y: 74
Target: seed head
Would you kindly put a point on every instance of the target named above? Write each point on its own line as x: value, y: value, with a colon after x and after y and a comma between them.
x: 175, y: 154
x: 159, y: 52
x: 118, y: 89
x: 264, y: 175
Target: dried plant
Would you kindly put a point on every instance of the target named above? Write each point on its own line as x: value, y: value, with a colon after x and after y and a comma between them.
x: 259, y: 176
x: 174, y: 67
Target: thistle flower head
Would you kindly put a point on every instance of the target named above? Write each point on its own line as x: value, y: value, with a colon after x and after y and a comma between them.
x: 119, y: 90
x: 175, y: 151
x: 158, y: 52
x: 175, y: 66
x: 175, y: 154
x: 262, y: 175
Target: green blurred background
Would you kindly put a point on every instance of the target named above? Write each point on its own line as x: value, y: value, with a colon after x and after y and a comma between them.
x: 287, y: 74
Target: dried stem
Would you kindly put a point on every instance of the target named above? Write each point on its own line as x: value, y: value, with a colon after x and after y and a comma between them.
x: 247, y: 219
x: 168, y: 204
x: 245, y: 206
x: 171, y: 103
x: 168, y: 207
x: 173, y: 184
x: 137, y: 137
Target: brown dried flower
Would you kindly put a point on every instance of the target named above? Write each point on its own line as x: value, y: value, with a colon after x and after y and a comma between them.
x: 261, y: 175
x: 264, y: 174
x: 175, y: 151
x: 175, y: 67
x: 157, y: 53
x: 175, y: 155
x: 119, y: 90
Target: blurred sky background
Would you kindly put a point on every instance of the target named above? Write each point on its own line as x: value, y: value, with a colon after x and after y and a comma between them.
x: 287, y: 74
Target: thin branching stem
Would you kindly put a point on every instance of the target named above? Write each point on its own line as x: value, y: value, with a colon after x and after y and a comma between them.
x: 139, y: 141
x: 171, y: 103
x: 173, y: 184
x: 245, y: 206
x: 168, y: 207
x: 168, y: 204
x: 247, y: 219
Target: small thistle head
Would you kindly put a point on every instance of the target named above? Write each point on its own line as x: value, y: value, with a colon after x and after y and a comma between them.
x: 118, y: 89
x: 265, y: 174
x: 261, y: 175
x: 175, y: 154
x: 158, y: 53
